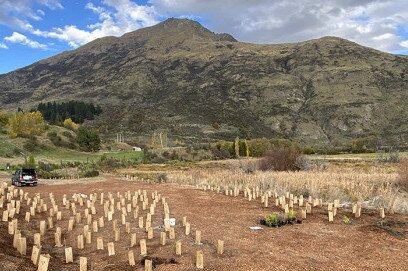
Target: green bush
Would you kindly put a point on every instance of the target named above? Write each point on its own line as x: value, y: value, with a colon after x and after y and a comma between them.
x: 291, y: 215
x: 88, y: 170
x: 88, y: 139
x: 273, y: 220
x: 31, y: 145
x: 309, y: 150
x: 49, y: 174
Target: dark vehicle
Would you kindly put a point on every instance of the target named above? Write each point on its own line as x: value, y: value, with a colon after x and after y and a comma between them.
x: 25, y: 176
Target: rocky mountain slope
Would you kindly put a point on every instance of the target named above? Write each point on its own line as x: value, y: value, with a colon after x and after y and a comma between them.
x: 180, y: 77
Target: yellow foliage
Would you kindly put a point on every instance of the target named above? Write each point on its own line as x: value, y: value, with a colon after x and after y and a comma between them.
x: 4, y: 118
x: 26, y: 124
x: 70, y: 124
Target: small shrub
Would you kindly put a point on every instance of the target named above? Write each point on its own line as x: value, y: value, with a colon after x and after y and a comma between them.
x: 221, y: 154
x: 402, y: 180
x: 392, y: 156
x: 88, y: 170
x: 346, y: 220
x: 247, y: 166
x: 273, y: 220
x: 303, y: 163
x: 309, y: 151
x: 30, y: 161
x: 31, y: 144
x: 16, y: 151
x: 281, y: 159
x: 68, y: 135
x: 291, y: 215
x: 161, y: 178
x: 108, y: 164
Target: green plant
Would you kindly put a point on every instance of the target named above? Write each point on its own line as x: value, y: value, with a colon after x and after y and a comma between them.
x: 346, y: 220
x: 30, y: 161
x: 88, y: 140
x: 273, y: 220
x: 291, y: 215
x: 88, y: 170
x: 31, y: 144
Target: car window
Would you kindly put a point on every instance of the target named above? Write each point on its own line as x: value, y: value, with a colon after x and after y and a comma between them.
x: 28, y: 171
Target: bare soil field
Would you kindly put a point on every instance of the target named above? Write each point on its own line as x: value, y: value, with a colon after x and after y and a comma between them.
x: 315, y: 244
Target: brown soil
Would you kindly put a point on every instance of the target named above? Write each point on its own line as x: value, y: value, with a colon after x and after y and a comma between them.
x: 315, y: 244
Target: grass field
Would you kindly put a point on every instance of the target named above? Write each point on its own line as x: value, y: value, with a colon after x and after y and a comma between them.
x: 64, y: 155
x: 361, y: 156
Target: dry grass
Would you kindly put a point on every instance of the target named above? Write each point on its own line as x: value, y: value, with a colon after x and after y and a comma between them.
x: 373, y: 189
x: 402, y: 180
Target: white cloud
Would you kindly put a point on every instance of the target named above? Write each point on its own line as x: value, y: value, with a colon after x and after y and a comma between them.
x: 404, y: 43
x: 3, y: 46
x: 40, y: 12
x: 16, y: 13
x: 125, y: 16
x: 373, y: 23
x: 21, y: 39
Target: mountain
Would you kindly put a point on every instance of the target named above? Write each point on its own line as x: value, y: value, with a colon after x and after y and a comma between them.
x: 197, y: 85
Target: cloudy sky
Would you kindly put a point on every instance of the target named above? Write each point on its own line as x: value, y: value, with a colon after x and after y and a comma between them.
x: 31, y: 30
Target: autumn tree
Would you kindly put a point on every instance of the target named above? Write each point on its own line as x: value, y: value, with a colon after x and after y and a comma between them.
x: 26, y: 124
x: 70, y: 124
x: 4, y: 119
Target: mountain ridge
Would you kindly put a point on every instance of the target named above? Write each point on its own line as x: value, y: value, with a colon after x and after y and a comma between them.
x: 185, y: 79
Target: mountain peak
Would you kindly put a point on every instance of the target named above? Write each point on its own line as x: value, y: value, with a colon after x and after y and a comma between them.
x: 180, y: 22
x: 189, y: 29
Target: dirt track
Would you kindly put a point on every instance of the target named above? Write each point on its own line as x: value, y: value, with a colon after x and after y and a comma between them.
x: 313, y: 245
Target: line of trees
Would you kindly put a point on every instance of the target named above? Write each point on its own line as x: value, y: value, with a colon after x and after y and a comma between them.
x: 77, y: 111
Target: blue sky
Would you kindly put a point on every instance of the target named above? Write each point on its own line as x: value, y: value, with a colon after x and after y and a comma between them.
x: 31, y: 30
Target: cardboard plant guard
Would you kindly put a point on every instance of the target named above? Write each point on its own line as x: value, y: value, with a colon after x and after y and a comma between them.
x: 43, y: 262
x: 68, y: 255
x: 131, y: 257
x: 83, y: 264
x: 163, y: 238
x: 143, y: 248
x: 99, y: 243
x: 200, y: 260
x: 133, y: 240
x: 198, y: 237
x: 111, y: 249
x: 80, y: 241
x: 150, y: 233
x: 37, y: 239
x: 220, y: 247
x: 22, y: 245
x: 148, y: 265
x: 172, y: 234
x: 178, y: 248
x: 35, y: 254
